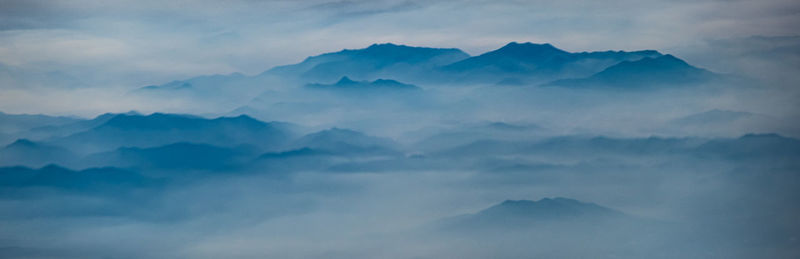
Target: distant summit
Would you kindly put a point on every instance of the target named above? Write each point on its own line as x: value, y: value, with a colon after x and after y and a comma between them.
x: 345, y: 83
x: 662, y: 70
x: 513, y: 57
x: 546, y: 209
x: 514, y: 64
x: 375, y: 61
x: 160, y: 129
x: 508, y: 64
x: 29, y: 153
x: 512, y: 214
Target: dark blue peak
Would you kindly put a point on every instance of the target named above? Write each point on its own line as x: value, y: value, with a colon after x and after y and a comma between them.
x: 389, y: 52
x: 670, y: 58
x: 346, y: 81
x: 337, y: 133
x: 391, y: 47
x: 175, y: 121
x: 528, y: 49
x: 23, y: 143
x: 242, y: 120
x: 155, y: 120
x: 547, y: 207
x: 386, y: 46
x: 665, y: 61
x: 545, y: 202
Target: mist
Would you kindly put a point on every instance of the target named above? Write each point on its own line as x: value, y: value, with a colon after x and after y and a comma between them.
x: 399, y: 129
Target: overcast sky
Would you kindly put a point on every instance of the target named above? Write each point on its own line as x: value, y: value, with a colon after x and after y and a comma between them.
x: 140, y: 42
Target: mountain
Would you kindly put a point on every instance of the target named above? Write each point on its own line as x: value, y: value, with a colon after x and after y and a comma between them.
x: 643, y: 73
x: 345, y: 83
x: 13, y: 123
x: 53, y: 176
x: 770, y: 147
x: 579, y: 147
x: 373, y: 62
x: 52, y: 131
x: 520, y: 214
x: 515, y: 63
x: 195, y: 83
x: 462, y: 134
x: 177, y: 156
x: 328, y: 149
x: 160, y: 129
x: 513, y: 57
x: 213, y: 91
x: 343, y: 142
x: 24, y: 152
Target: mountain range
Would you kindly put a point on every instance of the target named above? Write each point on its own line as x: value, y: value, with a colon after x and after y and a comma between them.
x: 513, y: 64
x: 524, y: 214
x: 161, y: 129
x: 345, y: 83
x: 666, y: 70
x: 376, y: 61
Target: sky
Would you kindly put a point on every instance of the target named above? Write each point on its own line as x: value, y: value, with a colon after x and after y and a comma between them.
x: 139, y: 42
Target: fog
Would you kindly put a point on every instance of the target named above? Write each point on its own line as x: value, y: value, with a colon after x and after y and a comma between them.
x: 386, y: 129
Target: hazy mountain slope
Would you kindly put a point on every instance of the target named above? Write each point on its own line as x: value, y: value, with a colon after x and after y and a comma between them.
x: 376, y: 61
x: 13, y: 123
x: 177, y: 156
x: 24, y: 152
x: 521, y: 62
x: 517, y: 214
x: 160, y: 129
x: 377, y: 86
x: 665, y: 70
x: 52, y: 131
x: 89, y: 180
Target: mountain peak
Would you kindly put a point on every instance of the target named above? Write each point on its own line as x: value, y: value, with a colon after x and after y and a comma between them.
x: 529, y: 49
x: 646, y: 72
x: 547, y: 208
x: 384, y: 45
x: 23, y: 143
x: 345, y: 81
x: 513, y: 58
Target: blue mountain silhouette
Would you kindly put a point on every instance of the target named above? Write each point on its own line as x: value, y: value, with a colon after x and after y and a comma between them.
x: 177, y: 156
x: 12, y: 123
x: 521, y: 214
x: 646, y: 72
x: 345, y: 83
x: 375, y: 61
x: 160, y: 129
x: 29, y: 153
x: 346, y: 142
x: 52, y: 131
x: 514, y: 62
x: 88, y: 180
